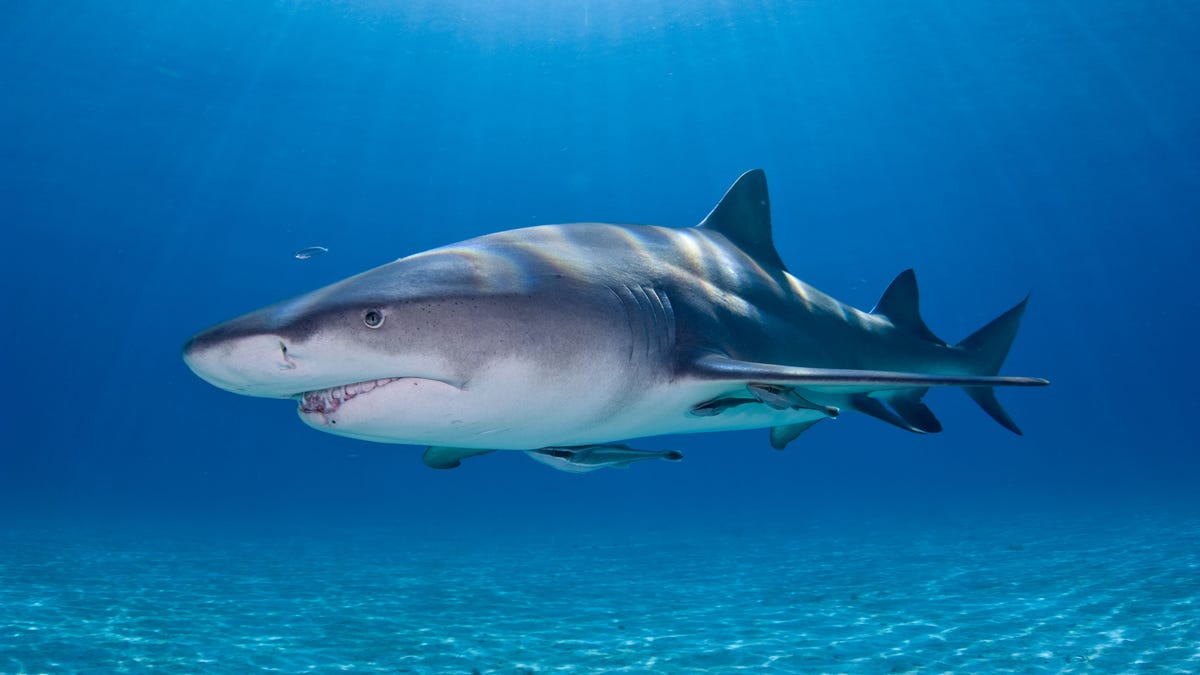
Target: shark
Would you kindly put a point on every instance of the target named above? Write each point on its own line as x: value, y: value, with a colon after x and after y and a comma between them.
x: 562, y: 340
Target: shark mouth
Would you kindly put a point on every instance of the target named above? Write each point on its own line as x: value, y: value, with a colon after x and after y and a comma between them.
x: 327, y: 401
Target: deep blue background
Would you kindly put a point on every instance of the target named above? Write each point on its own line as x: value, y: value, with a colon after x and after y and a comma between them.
x: 159, y: 162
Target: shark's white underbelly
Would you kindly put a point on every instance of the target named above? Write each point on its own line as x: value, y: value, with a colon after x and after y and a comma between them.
x: 515, y: 406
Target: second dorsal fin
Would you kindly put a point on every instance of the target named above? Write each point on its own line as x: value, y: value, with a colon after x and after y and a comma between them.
x: 901, y: 304
x: 744, y: 216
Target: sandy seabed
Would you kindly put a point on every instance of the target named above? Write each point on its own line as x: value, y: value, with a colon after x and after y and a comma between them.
x: 1064, y: 597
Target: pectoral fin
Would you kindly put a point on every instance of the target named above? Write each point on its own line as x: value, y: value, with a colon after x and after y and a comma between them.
x: 916, y: 414
x: 781, y: 436
x: 869, y: 406
x: 441, y: 457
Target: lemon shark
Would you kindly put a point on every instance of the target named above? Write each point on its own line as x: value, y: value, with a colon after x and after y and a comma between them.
x: 560, y: 340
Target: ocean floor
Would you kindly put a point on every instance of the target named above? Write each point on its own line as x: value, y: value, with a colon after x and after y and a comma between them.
x: 1066, y: 596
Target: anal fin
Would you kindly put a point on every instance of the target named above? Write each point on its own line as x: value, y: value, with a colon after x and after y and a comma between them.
x: 873, y: 407
x: 909, y: 407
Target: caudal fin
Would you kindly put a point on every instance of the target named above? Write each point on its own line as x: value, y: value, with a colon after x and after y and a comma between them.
x: 989, y: 346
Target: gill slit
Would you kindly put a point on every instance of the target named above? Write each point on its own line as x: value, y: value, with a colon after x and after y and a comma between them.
x: 649, y: 317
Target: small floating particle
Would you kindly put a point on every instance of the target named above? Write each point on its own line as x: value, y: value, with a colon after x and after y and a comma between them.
x: 306, y: 253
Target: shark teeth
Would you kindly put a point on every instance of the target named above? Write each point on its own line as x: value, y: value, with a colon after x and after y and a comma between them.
x: 326, y: 401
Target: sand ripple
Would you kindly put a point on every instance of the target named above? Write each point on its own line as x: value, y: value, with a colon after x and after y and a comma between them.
x: 1072, y: 598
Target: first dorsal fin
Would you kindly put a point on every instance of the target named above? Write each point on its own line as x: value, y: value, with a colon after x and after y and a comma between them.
x: 744, y: 216
x: 901, y: 304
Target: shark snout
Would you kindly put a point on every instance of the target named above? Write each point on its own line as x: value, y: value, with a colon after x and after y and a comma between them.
x: 255, y: 365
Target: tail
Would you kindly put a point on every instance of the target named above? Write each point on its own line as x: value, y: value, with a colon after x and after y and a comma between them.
x: 988, y: 347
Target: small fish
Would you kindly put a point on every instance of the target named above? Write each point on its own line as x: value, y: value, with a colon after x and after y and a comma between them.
x: 306, y: 253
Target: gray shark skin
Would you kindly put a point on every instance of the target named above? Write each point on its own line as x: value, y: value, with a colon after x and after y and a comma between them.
x: 566, y: 336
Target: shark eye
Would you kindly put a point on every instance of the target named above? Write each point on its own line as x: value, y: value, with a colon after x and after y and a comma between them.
x: 373, y: 318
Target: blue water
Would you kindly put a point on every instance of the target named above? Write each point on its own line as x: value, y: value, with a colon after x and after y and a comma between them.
x: 160, y: 162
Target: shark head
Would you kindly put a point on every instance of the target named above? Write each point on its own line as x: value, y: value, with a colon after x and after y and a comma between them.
x: 343, y: 334
x: 455, y: 344
x: 345, y: 352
